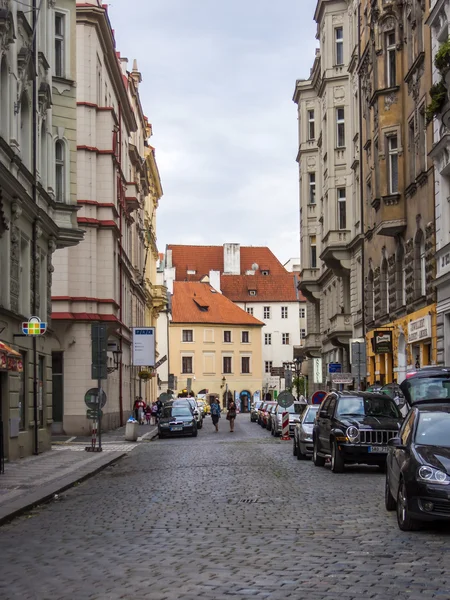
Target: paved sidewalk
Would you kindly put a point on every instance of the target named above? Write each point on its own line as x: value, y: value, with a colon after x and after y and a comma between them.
x: 36, y: 479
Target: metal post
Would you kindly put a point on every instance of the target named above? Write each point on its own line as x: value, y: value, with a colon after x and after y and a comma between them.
x: 35, y: 397
x: 99, y: 396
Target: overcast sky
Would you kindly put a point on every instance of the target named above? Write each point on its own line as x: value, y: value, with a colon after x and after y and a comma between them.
x: 218, y: 81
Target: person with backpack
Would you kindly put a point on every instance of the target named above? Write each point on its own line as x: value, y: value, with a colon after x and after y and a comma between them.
x: 215, y: 413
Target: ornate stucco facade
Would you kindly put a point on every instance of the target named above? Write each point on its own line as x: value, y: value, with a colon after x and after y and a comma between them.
x: 330, y: 211
x: 395, y: 74
x: 37, y: 206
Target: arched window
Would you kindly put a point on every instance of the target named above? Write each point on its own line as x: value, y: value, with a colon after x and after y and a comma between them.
x: 60, y: 171
x: 419, y: 265
x: 25, y: 129
x: 384, y: 287
x: 400, y: 275
x: 4, y: 100
x: 370, y: 301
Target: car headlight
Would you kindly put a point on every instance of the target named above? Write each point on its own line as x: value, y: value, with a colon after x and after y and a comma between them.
x: 431, y: 475
x: 188, y: 423
x: 308, y: 437
x: 164, y: 425
x: 352, y: 433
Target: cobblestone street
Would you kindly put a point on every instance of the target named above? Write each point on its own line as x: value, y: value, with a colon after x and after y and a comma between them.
x: 220, y: 516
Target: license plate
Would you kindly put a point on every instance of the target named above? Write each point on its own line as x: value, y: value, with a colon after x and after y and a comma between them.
x: 177, y: 428
x: 382, y: 449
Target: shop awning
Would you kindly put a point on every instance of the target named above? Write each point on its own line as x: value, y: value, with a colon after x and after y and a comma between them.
x: 10, y: 359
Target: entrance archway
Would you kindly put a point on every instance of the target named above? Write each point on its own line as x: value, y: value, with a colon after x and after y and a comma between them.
x: 401, y: 361
x: 245, y: 397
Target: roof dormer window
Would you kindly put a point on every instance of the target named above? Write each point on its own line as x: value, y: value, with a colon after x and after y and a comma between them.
x: 252, y: 292
x: 265, y: 272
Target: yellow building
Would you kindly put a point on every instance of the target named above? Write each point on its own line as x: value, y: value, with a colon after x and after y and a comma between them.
x: 214, y: 343
x: 397, y: 178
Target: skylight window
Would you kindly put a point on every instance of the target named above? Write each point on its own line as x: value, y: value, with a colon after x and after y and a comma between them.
x: 265, y: 272
x: 252, y: 292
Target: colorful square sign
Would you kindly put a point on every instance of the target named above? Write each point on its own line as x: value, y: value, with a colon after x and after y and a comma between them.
x: 34, y: 327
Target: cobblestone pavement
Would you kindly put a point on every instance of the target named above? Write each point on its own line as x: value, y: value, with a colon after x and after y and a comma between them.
x: 217, y: 517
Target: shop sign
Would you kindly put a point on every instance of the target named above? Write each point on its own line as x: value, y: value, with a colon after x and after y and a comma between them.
x: 419, y: 329
x: 317, y: 370
x: 342, y: 378
x: 382, y: 342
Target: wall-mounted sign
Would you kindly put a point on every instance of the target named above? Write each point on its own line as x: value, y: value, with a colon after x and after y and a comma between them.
x: 419, y: 329
x: 334, y: 367
x: 382, y: 342
x: 317, y: 370
x: 34, y: 326
x: 342, y: 378
x: 144, y: 346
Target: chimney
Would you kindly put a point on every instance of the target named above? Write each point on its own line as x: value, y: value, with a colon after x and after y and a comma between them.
x: 214, y: 280
x: 136, y: 74
x: 232, y: 259
x: 169, y: 259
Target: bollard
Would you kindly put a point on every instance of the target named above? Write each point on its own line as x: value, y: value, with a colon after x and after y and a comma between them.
x: 285, y: 427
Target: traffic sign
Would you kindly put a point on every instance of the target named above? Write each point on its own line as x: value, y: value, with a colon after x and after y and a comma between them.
x: 285, y: 399
x: 94, y: 414
x: 318, y: 396
x: 160, y: 362
x: 334, y: 367
x: 91, y: 398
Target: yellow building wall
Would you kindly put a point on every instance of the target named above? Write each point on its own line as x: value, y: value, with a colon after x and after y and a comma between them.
x: 381, y: 367
x: 208, y: 350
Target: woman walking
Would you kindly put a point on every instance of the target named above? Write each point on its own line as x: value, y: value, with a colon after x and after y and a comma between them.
x: 231, y: 415
x: 215, y: 412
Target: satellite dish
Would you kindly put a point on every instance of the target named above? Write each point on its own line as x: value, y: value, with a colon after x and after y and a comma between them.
x: 255, y: 266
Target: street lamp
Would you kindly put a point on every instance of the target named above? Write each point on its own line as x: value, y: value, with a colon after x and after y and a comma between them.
x: 117, y: 355
x: 225, y: 385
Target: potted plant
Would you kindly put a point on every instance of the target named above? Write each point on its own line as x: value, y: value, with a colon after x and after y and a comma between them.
x: 438, y: 93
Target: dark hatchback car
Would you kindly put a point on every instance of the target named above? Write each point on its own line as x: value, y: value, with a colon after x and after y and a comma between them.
x: 177, y: 418
x: 354, y: 427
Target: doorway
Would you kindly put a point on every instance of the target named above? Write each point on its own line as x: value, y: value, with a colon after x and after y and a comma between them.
x: 57, y: 392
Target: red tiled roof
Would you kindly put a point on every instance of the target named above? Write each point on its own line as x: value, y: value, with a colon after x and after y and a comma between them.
x: 190, y: 299
x: 203, y: 259
x: 269, y: 288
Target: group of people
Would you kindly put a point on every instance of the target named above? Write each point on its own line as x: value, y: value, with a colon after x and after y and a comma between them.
x: 216, y: 412
x: 146, y: 413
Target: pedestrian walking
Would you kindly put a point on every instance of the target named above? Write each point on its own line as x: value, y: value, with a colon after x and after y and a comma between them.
x: 154, y: 413
x: 140, y: 407
x: 231, y: 415
x: 136, y: 408
x: 148, y: 414
x: 215, y: 412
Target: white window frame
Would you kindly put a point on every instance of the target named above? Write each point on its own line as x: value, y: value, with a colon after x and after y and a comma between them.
x: 183, y: 331
x: 268, y: 364
x: 224, y: 356
x: 231, y: 336
x: 250, y: 310
x: 311, y: 125
x: 302, y: 313
x: 267, y: 339
x: 340, y: 126
x: 313, y: 245
x: 391, y: 51
x: 285, y: 340
x: 62, y: 164
x: 339, y: 46
x: 341, y: 200
x: 312, y: 188
x: 393, y: 158
x: 65, y: 38
x: 284, y: 312
x: 248, y: 336
x: 267, y: 312
x: 191, y: 356
x: 302, y: 333
x: 242, y: 356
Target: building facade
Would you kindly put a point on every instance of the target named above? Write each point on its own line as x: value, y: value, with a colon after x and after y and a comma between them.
x: 330, y: 210
x: 438, y: 23
x: 37, y: 207
x: 214, y: 344
x: 103, y: 280
x: 395, y: 78
x: 254, y: 279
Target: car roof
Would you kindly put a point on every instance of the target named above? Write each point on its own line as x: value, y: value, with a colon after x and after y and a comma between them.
x: 358, y: 394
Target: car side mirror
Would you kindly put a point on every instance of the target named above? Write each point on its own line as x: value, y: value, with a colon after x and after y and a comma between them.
x: 323, y: 414
x: 396, y: 442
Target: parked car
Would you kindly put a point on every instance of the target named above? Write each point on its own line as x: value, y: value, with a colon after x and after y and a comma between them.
x: 427, y: 383
x: 374, y: 387
x: 254, y: 411
x: 418, y: 466
x: 267, y: 414
x: 354, y: 427
x: 197, y: 412
x: 177, y: 418
x: 295, y: 414
x: 202, y: 407
x: 303, y: 433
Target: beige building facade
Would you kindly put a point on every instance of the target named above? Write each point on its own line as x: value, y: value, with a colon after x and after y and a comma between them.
x: 330, y: 209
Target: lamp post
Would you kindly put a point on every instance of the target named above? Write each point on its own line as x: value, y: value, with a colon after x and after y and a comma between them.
x: 225, y: 385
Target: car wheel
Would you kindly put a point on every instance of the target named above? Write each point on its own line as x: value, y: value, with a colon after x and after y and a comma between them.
x: 337, y: 460
x: 318, y: 461
x: 389, y: 500
x: 161, y: 435
x: 404, y: 520
x: 294, y: 448
x: 195, y: 432
x: 300, y: 455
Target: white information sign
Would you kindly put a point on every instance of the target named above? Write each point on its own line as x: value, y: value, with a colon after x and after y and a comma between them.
x: 419, y: 329
x: 317, y: 370
x: 143, y: 346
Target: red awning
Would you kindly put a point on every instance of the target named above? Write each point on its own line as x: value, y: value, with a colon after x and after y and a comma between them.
x: 10, y: 360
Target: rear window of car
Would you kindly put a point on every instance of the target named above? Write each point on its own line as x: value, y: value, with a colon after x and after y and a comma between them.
x: 427, y: 388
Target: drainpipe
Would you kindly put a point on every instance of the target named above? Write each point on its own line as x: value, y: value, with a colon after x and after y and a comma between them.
x: 34, y: 237
x: 361, y: 184
x: 121, y: 208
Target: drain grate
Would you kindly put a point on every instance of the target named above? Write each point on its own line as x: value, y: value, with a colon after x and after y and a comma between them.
x: 248, y: 500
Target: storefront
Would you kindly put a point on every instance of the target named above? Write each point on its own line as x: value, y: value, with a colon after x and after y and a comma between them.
x: 400, y: 346
x: 11, y: 364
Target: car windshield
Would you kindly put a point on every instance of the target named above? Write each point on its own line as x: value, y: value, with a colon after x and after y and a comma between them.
x: 310, y: 415
x: 369, y: 407
x: 433, y: 429
x: 176, y: 411
x: 293, y: 409
x: 427, y: 388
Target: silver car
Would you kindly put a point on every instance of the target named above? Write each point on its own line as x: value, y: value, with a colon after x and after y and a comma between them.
x: 303, y: 433
x: 295, y: 414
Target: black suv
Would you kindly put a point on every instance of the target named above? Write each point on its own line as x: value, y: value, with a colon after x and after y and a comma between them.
x: 354, y: 427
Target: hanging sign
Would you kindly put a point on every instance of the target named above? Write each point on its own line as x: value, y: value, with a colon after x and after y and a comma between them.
x: 34, y: 326
x: 143, y: 346
x: 382, y: 342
